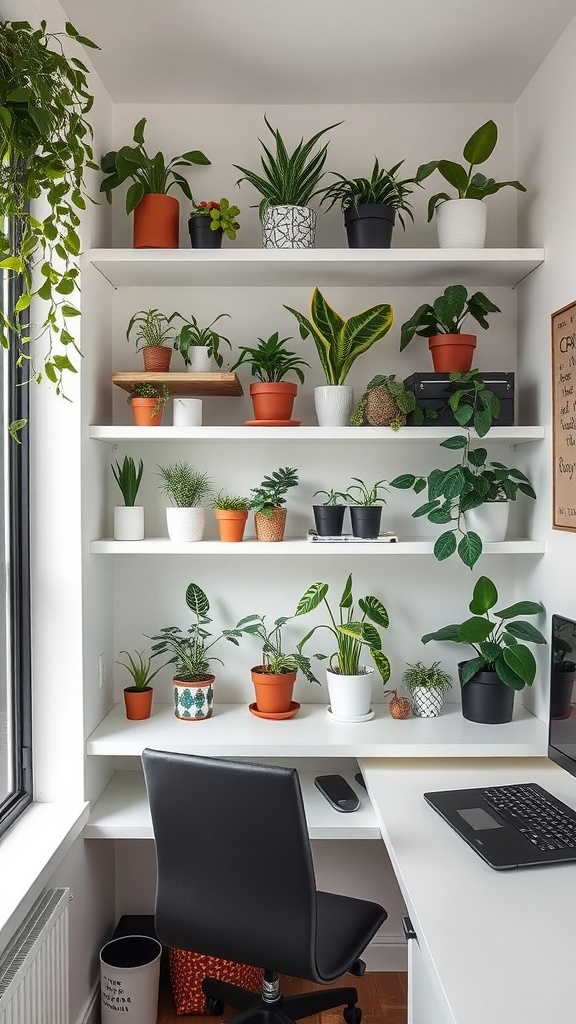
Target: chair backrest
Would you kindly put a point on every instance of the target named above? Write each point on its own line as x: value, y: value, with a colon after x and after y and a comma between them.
x: 235, y: 872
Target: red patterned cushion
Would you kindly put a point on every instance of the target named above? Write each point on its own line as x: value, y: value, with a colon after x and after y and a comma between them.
x: 188, y: 970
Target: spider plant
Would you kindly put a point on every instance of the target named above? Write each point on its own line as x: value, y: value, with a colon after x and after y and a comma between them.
x: 360, y: 494
x: 152, y: 329
x: 140, y: 668
x: 383, y: 188
x: 191, y: 335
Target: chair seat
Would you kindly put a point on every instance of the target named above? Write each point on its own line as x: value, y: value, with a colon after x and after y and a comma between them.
x: 339, y: 916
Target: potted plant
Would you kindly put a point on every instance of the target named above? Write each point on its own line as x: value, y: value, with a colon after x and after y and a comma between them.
x: 427, y: 686
x: 187, y: 488
x: 189, y: 650
x: 231, y: 511
x: 349, y: 682
x: 129, y: 517
x: 156, y: 213
x: 461, y: 222
x: 563, y: 667
x: 468, y: 400
x: 147, y: 402
x: 138, y: 697
x: 329, y: 517
x: 267, y: 502
x: 287, y: 184
x: 502, y: 662
x: 441, y: 322
x: 385, y: 403
x: 152, y: 329
x: 339, y: 342
x: 199, y: 346
x: 270, y: 361
x: 370, y: 205
x: 365, y: 507
x: 209, y: 221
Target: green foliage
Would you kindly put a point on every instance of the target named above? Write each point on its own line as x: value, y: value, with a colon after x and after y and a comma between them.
x: 128, y: 478
x: 332, y: 497
x: 405, y: 400
x: 447, y: 313
x: 426, y: 677
x: 232, y: 503
x: 140, y: 668
x: 351, y: 631
x: 152, y: 328
x: 360, y: 494
x: 222, y: 215
x: 471, y: 401
x: 468, y: 185
x: 274, y: 659
x: 288, y: 179
x: 150, y: 175
x: 339, y: 342
x: 496, y: 643
x: 191, y: 335
x: 272, y: 491
x: 383, y: 187
x: 270, y: 361
x: 183, y: 485
x: 144, y: 390
x: 189, y: 649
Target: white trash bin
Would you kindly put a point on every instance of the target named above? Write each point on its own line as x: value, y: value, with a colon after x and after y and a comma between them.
x: 129, y: 979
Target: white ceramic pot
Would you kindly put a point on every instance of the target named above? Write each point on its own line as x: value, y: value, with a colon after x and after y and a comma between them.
x: 129, y: 522
x: 193, y: 701
x: 490, y: 520
x: 461, y: 224
x: 187, y: 412
x: 185, y: 524
x: 334, y: 404
x: 350, y: 696
x: 288, y: 227
x: 200, y: 360
x: 426, y: 703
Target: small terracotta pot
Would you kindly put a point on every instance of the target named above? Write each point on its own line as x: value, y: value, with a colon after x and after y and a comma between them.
x: 194, y: 698
x: 156, y: 221
x: 142, y: 411
x: 231, y: 524
x: 273, y: 401
x: 157, y: 358
x: 273, y: 692
x: 138, y: 702
x: 452, y: 353
x: 270, y: 528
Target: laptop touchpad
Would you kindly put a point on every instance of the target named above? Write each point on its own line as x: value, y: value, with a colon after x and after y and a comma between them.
x: 479, y: 819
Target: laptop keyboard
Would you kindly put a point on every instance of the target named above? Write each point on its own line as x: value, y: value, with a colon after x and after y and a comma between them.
x: 538, y: 819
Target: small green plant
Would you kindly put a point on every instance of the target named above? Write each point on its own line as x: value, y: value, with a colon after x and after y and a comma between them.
x: 333, y: 497
x: 360, y: 494
x: 144, y: 390
x: 152, y: 329
x: 128, y: 478
x: 270, y: 360
x: 222, y: 215
x: 468, y: 184
x: 427, y: 677
x: 189, y: 650
x: 183, y: 485
x: 272, y: 491
x: 382, y: 187
x: 386, y: 403
x: 339, y: 342
x: 191, y: 335
x: 496, y: 643
x: 140, y: 668
x: 447, y: 313
x: 232, y: 503
x: 274, y: 659
x: 471, y: 401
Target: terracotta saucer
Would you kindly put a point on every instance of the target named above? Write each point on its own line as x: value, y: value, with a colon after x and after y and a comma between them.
x: 272, y: 423
x: 293, y: 710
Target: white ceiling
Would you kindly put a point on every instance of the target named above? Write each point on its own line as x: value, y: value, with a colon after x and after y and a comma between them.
x: 319, y: 51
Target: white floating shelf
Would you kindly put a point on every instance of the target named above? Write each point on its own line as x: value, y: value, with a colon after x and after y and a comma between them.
x: 234, y: 732
x: 311, y: 267
x: 163, y: 546
x: 122, y: 812
x: 406, y: 435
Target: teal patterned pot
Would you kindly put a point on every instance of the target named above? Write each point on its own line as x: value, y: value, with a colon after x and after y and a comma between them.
x: 194, y: 699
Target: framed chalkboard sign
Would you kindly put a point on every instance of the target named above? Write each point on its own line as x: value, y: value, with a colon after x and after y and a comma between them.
x: 564, y: 418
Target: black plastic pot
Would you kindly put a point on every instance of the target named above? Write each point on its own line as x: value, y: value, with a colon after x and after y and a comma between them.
x: 365, y: 520
x: 329, y: 519
x: 201, y: 234
x: 562, y: 684
x: 369, y: 225
x: 486, y: 699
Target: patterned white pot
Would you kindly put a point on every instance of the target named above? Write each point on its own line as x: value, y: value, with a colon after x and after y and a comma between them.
x: 200, y: 360
x: 187, y: 412
x: 426, y: 703
x: 489, y: 521
x: 334, y: 404
x: 129, y: 522
x: 193, y: 701
x: 350, y: 696
x: 289, y: 227
x: 461, y: 224
x: 185, y: 524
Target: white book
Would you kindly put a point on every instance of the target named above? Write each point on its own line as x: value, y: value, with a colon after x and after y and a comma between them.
x: 349, y: 538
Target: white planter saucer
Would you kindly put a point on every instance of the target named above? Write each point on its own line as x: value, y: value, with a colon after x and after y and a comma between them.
x: 354, y: 719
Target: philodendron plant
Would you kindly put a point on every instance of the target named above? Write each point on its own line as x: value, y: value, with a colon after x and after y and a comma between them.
x: 446, y: 315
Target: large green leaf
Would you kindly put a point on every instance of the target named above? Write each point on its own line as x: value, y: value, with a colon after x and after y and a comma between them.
x: 470, y: 668
x: 525, y: 631
x: 346, y: 599
x: 507, y: 674
x: 359, y: 333
x: 470, y: 549
x: 521, y: 660
x: 445, y: 546
x: 484, y: 596
x: 382, y: 664
x: 520, y: 608
x: 196, y: 600
x: 481, y: 144
x: 365, y: 632
x: 312, y: 598
x: 454, y: 174
x: 374, y: 610
x: 451, y: 633
x: 475, y: 630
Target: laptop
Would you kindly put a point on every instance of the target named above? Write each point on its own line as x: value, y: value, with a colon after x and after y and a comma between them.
x: 524, y: 825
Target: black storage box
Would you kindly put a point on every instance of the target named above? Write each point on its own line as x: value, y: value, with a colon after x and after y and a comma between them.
x: 432, y: 391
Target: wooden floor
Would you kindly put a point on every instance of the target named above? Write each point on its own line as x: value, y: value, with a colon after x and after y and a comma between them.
x: 381, y: 996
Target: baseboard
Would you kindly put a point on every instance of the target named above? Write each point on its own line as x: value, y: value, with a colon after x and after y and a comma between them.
x: 386, y: 953
x: 91, y: 1012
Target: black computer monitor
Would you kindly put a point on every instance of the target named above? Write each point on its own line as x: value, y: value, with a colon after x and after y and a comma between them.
x: 562, y: 729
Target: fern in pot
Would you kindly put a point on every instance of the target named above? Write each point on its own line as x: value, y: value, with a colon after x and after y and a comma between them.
x: 427, y: 686
x: 188, y: 489
x: 370, y: 205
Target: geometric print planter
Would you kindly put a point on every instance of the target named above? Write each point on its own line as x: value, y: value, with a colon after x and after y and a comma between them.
x: 288, y: 227
x: 426, y: 703
x: 193, y: 701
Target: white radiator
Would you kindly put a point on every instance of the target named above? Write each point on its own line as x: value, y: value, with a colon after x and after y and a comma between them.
x: 34, y: 967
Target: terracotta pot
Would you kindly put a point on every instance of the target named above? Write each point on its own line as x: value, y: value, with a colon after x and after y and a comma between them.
x: 231, y: 524
x: 273, y: 401
x: 270, y: 528
x: 273, y: 692
x: 157, y: 358
x: 452, y: 353
x: 142, y: 410
x: 156, y: 222
x: 138, y: 702
x: 193, y: 698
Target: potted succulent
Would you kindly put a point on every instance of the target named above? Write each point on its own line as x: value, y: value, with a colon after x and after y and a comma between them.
x: 231, y: 511
x: 270, y: 361
x: 385, y: 403
x: 199, y: 346
x: 339, y: 342
x: 189, y: 650
x: 370, y: 205
x: 427, y: 686
x: 502, y: 662
x: 365, y: 507
x: 267, y: 502
x: 152, y: 329
x: 461, y: 221
x: 441, y: 322
x: 187, y: 488
x: 287, y: 184
x: 156, y: 213
x: 329, y: 517
x: 138, y: 697
x: 129, y: 517
x: 147, y: 402
x: 349, y: 682
x: 209, y: 221
x: 563, y: 667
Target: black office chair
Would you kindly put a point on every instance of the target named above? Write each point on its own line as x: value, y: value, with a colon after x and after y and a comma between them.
x: 236, y: 880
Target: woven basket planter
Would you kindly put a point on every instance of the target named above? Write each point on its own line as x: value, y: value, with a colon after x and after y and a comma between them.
x: 270, y: 528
